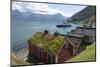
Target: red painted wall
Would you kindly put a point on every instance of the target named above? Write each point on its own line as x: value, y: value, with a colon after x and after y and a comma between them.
x: 45, y: 57
x: 65, y: 54
x: 33, y: 52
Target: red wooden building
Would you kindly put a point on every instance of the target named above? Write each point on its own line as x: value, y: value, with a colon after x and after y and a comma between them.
x: 49, y: 51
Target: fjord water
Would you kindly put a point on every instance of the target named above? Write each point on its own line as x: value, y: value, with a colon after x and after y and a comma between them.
x: 22, y: 30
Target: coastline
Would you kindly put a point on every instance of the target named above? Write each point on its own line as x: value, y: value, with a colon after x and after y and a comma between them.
x: 19, y: 57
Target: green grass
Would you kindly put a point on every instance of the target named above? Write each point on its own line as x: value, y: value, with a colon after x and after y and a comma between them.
x: 91, y: 19
x: 48, y: 42
x: 86, y: 55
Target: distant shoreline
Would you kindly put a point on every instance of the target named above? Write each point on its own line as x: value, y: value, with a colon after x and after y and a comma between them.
x: 21, y: 53
x: 19, y: 48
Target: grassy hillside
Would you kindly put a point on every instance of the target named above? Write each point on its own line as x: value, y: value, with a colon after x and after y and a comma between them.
x: 87, y: 55
x: 84, y: 15
x: 88, y: 20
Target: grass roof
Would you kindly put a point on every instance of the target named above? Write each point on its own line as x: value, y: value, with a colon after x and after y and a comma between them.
x: 48, y: 42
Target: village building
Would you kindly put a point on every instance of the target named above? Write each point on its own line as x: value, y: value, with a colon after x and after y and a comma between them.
x: 50, y: 48
x: 56, y: 48
x: 89, y: 32
x: 77, y: 41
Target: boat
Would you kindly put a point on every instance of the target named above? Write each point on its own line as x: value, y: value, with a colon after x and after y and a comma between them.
x: 67, y: 25
x: 64, y: 25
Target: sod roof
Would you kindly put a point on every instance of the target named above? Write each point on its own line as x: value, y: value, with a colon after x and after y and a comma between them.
x: 48, y: 42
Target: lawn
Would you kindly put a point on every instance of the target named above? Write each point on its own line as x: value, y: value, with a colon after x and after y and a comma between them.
x: 87, y: 55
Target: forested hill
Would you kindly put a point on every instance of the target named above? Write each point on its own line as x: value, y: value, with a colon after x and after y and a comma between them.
x: 88, y: 12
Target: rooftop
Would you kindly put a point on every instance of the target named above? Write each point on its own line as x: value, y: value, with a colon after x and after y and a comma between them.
x: 87, y: 27
x: 75, y: 35
x: 48, y: 42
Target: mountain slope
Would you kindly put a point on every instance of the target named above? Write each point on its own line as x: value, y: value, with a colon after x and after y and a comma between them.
x: 87, y: 12
x: 87, y: 55
x: 29, y: 16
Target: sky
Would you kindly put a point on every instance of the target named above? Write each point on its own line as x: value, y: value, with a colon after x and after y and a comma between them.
x: 44, y: 8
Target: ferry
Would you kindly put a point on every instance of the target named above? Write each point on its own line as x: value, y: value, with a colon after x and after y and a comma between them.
x: 65, y: 24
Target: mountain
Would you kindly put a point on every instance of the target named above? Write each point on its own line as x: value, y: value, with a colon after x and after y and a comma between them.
x: 87, y: 12
x: 29, y: 16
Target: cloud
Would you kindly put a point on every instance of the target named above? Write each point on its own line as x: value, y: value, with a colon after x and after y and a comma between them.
x: 22, y: 6
x: 36, y: 8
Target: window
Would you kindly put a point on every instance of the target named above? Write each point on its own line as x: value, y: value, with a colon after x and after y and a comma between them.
x: 39, y: 53
x: 66, y: 45
x: 49, y: 58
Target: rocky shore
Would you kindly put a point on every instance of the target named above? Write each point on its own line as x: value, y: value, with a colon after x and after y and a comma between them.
x: 19, y: 56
